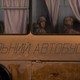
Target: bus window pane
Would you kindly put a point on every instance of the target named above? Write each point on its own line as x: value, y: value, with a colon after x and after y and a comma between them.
x: 14, y: 15
x: 56, y: 17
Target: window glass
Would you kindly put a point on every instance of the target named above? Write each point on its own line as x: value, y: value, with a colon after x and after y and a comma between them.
x: 55, y: 17
x: 14, y: 16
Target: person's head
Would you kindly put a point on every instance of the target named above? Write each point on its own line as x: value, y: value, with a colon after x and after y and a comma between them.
x: 42, y: 22
x: 68, y: 21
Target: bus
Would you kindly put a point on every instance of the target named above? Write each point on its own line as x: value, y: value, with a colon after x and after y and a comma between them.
x: 44, y: 45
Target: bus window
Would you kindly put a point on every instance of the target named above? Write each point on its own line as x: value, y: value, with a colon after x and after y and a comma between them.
x: 14, y: 16
x: 56, y: 17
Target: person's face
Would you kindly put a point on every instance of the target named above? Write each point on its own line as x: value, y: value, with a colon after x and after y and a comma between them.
x: 69, y: 22
x: 43, y: 24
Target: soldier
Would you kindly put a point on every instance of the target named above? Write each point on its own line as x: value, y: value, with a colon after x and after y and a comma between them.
x: 68, y: 24
x: 41, y: 26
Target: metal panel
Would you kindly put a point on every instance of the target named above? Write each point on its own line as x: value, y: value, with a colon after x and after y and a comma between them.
x: 55, y: 71
x: 20, y: 70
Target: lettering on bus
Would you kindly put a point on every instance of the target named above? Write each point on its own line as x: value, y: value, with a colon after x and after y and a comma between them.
x: 39, y: 48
